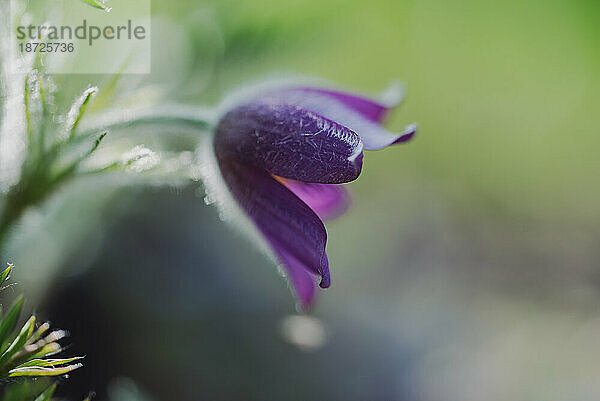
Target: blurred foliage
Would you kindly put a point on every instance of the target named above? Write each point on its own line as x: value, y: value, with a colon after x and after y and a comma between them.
x: 57, y: 150
x: 46, y: 166
x: 29, y: 391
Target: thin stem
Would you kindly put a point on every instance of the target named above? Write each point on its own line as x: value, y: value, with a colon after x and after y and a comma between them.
x: 42, y: 134
x: 73, y: 166
x: 28, y: 112
x: 22, y: 196
x: 194, y: 117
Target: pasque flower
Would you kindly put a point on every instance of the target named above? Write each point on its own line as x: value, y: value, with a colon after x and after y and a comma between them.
x: 283, y: 155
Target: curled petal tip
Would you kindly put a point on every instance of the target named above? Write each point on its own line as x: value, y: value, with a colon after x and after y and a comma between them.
x: 325, y: 275
x: 408, y: 134
x: 325, y: 282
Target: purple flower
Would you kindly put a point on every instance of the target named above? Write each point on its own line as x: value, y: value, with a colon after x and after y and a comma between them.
x: 282, y: 155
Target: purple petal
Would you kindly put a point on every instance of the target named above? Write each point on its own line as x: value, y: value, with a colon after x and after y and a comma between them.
x: 334, y: 108
x: 326, y: 200
x: 370, y: 109
x: 290, y: 141
x: 302, y: 282
x: 293, y: 230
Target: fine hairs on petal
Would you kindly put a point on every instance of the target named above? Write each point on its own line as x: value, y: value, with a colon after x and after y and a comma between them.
x: 372, y: 134
x: 284, y: 228
x: 217, y: 194
x: 250, y: 91
x: 289, y: 141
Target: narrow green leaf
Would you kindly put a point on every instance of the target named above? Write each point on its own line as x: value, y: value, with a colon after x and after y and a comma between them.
x: 35, y: 371
x: 43, y: 100
x: 46, y: 350
x: 47, y: 394
x: 67, y: 171
x: 28, y: 109
x: 20, y: 341
x: 9, y: 321
x: 98, y: 4
x: 34, y: 112
x: 44, y: 327
x: 6, y: 287
x: 5, y: 273
x: 97, y: 143
x: 48, y: 363
x: 39, y: 349
x: 78, y: 110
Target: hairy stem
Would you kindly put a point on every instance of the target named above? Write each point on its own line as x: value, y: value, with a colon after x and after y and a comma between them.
x: 177, y: 115
x: 22, y: 195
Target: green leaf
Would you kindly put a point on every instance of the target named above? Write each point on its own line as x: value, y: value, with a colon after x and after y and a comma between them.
x: 98, y: 4
x: 48, y: 363
x: 39, y: 371
x: 70, y: 169
x: 10, y: 320
x: 5, y: 273
x: 28, y: 109
x: 78, y: 110
x: 20, y: 341
x: 47, y: 350
x: 47, y: 394
x: 44, y: 327
x: 97, y: 143
x: 23, y: 389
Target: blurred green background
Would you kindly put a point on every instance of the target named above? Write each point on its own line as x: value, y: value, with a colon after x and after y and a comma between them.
x: 467, y: 268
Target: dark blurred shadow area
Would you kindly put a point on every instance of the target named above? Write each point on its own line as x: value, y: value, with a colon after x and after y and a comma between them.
x: 187, y: 308
x: 182, y: 291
